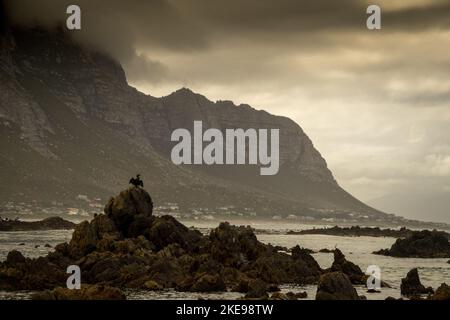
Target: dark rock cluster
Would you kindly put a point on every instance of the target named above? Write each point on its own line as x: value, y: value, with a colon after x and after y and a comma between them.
x: 335, y: 286
x: 52, y: 223
x: 351, y: 270
x: 421, y: 244
x: 411, y: 285
x: 357, y: 231
x: 442, y: 293
x: 128, y: 247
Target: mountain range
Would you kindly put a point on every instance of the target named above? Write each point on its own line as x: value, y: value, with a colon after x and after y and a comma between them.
x: 73, y: 132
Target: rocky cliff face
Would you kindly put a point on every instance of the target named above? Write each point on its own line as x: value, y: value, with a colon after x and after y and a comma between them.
x: 72, y: 125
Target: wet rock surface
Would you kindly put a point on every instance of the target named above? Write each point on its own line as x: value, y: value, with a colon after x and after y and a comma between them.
x: 335, y: 286
x: 421, y: 244
x: 411, y: 285
x: 351, y: 270
x: 87, y: 292
x: 128, y: 247
x: 442, y: 293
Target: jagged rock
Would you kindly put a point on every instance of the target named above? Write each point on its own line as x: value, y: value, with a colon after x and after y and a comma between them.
x: 411, y: 285
x: 88, y: 234
x: 281, y: 268
x: 167, y: 230
x: 442, y: 293
x: 87, y: 292
x: 277, y: 267
x: 304, y: 255
x: 335, y: 286
x: 234, y: 246
x: 353, y: 272
x: 130, y: 211
x: 20, y: 273
x: 14, y: 257
x: 421, y: 244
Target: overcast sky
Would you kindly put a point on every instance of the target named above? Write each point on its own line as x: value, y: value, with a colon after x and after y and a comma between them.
x: 375, y: 103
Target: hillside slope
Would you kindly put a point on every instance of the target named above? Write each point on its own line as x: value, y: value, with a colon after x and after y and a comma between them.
x: 73, y: 130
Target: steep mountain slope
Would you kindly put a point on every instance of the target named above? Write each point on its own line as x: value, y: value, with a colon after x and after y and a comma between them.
x: 71, y: 125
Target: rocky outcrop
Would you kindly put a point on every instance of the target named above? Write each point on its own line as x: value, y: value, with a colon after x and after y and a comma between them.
x: 127, y: 247
x: 421, y: 244
x: 442, y: 293
x: 20, y: 273
x: 357, y: 231
x: 411, y: 285
x: 52, y: 223
x: 87, y: 292
x: 131, y: 211
x: 335, y: 286
x: 351, y: 270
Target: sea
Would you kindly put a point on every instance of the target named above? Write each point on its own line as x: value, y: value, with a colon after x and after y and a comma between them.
x: 359, y: 250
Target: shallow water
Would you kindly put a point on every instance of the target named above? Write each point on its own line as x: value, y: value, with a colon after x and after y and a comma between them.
x: 357, y: 249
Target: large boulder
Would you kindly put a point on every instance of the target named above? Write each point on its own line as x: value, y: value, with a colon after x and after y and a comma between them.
x: 421, y: 244
x: 335, y: 286
x: 411, y: 285
x: 233, y: 246
x: 304, y: 255
x: 131, y: 205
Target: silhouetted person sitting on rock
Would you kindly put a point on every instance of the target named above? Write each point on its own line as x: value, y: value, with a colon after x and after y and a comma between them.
x: 137, y: 181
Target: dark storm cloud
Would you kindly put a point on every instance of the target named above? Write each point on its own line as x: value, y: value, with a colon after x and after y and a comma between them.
x: 126, y: 28
x: 119, y: 28
x: 193, y: 24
